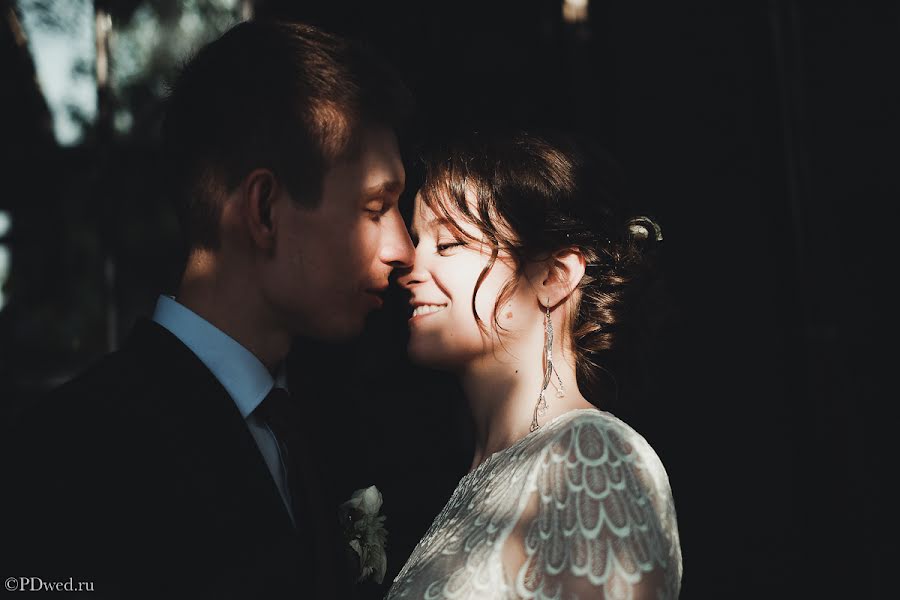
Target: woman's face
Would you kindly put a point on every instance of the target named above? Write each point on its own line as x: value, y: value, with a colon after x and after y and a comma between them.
x: 443, y: 330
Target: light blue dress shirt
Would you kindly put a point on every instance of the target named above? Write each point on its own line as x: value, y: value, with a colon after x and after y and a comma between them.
x: 242, y: 375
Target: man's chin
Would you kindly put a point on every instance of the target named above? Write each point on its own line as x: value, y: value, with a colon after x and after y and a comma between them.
x: 345, y: 333
x: 335, y: 330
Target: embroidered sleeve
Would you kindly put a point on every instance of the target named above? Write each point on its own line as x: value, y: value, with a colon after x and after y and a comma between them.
x: 601, y: 522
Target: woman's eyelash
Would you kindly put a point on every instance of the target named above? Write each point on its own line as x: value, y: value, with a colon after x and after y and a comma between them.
x: 447, y: 246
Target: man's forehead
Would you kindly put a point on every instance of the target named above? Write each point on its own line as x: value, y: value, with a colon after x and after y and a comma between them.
x: 376, y: 172
x: 379, y: 149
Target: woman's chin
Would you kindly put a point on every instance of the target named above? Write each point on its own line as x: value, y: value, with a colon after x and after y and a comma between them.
x: 426, y: 355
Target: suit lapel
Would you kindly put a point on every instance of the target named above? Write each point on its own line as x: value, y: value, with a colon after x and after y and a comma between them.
x: 204, y: 432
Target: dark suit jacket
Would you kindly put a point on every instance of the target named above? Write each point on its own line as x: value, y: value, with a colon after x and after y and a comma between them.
x: 141, y: 476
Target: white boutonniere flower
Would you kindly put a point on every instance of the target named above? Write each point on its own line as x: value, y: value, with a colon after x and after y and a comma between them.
x: 365, y: 533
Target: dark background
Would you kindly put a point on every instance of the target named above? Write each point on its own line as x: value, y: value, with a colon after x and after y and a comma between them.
x: 762, y: 135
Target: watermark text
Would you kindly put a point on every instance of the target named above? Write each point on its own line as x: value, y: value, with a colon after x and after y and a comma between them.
x: 37, y: 584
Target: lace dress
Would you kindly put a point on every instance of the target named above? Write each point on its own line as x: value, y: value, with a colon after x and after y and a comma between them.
x: 580, y: 508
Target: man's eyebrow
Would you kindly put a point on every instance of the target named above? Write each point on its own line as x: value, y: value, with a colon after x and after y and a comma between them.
x: 392, y: 187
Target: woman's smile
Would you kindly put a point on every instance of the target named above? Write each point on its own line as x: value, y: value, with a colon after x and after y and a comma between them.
x: 424, y: 310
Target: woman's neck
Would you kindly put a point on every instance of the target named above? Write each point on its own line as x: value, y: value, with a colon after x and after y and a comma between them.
x: 502, y: 395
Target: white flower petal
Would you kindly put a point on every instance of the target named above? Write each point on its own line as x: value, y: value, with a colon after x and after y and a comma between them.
x: 352, y: 504
x: 380, y: 564
x: 371, y: 500
x: 368, y: 532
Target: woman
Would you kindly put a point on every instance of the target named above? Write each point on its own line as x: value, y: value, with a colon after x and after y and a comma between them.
x: 522, y: 272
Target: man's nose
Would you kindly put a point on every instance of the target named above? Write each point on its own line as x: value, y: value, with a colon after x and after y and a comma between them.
x: 398, y: 250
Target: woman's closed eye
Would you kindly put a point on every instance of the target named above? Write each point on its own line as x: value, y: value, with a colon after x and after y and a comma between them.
x: 443, y: 247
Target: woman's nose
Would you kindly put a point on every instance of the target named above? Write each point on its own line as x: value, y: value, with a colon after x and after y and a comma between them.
x: 398, y: 250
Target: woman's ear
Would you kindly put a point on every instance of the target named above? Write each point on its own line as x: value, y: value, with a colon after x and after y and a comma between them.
x: 554, y: 279
x: 260, y: 189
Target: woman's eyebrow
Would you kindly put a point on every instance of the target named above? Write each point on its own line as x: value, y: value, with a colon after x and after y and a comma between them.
x: 436, y: 222
x: 440, y: 221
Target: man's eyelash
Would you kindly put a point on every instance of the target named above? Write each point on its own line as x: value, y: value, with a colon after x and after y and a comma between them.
x: 376, y: 214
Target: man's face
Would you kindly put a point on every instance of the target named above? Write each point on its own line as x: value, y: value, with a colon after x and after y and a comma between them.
x: 331, y: 262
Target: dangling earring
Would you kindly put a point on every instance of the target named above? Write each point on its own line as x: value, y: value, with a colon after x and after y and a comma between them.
x: 540, y: 409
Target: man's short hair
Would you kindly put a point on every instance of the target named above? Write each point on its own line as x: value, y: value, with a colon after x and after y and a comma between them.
x: 267, y: 94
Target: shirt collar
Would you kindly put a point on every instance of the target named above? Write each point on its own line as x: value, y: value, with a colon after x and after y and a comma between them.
x: 242, y: 375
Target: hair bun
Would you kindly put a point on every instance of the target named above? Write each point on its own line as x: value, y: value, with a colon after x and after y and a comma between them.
x: 640, y: 228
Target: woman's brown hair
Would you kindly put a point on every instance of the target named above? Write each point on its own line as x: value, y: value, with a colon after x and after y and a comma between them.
x: 535, y: 195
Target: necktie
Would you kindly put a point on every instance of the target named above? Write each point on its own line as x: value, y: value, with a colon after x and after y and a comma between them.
x: 279, y: 413
x: 282, y: 416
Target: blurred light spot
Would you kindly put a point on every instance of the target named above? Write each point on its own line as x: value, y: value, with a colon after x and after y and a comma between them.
x: 575, y: 11
x: 102, y: 27
x: 5, y: 223
x: 246, y: 10
x: 122, y: 121
x: 5, y: 226
x: 61, y: 39
x: 4, y: 272
x: 148, y: 49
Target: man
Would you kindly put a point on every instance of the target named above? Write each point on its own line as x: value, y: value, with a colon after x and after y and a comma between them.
x: 176, y: 465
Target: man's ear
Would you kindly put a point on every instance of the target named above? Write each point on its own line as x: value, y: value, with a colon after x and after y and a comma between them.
x: 554, y: 279
x: 260, y: 190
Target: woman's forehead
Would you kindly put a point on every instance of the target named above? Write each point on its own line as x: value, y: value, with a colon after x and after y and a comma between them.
x: 446, y: 214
